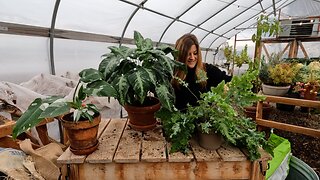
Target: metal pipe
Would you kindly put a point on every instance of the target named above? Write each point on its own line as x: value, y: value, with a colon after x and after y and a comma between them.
x: 51, y: 32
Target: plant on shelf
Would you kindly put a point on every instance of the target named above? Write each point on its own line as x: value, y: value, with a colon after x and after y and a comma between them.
x: 228, y: 53
x: 140, y: 76
x: 308, y: 80
x: 235, y: 58
x: 72, y: 113
x: 277, y: 76
x: 220, y: 110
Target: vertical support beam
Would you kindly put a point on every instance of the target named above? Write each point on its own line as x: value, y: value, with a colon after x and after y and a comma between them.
x: 257, y: 51
x: 234, y: 53
x: 293, y: 51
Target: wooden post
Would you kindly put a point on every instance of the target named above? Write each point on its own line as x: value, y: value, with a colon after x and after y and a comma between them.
x: 293, y: 51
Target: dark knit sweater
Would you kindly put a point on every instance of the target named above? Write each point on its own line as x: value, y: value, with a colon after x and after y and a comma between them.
x: 184, y: 96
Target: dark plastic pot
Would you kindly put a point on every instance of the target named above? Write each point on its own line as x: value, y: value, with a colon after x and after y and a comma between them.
x: 211, y: 141
x: 287, y: 107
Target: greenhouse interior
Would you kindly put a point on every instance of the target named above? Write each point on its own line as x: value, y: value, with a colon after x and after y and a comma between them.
x: 150, y: 89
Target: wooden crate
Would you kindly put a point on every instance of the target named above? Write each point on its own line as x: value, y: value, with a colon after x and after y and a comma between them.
x: 127, y: 154
x: 284, y: 126
x: 6, y: 140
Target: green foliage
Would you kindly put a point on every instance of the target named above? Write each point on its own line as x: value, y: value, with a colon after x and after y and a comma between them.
x: 243, y: 57
x: 221, y: 110
x: 52, y: 107
x: 228, y: 53
x: 308, y: 78
x: 277, y: 72
x: 266, y: 26
x: 237, y: 59
x: 133, y: 73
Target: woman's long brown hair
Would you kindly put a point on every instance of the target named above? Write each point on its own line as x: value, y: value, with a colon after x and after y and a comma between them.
x: 183, y: 45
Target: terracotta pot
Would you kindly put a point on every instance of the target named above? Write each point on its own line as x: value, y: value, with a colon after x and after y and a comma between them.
x: 309, y: 96
x: 82, y: 134
x: 275, y: 90
x: 211, y: 141
x: 141, y: 118
x: 251, y: 111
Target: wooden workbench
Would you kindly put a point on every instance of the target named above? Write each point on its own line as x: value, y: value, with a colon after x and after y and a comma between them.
x: 127, y: 154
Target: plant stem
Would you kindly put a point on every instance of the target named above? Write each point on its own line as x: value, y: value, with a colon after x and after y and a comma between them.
x: 75, y: 92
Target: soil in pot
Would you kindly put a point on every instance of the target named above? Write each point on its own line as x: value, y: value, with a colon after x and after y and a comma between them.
x: 252, y: 110
x: 82, y: 134
x: 141, y: 118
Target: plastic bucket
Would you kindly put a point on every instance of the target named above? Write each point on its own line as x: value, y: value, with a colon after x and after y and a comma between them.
x: 299, y: 170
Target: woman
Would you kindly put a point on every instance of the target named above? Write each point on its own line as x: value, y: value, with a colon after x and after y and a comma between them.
x: 200, y: 76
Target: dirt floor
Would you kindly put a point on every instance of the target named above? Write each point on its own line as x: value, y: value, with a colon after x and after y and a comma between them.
x: 304, y: 147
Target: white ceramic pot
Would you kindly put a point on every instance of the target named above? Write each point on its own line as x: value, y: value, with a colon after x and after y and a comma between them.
x: 275, y: 90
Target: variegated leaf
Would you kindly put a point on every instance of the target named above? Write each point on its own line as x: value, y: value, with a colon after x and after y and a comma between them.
x: 29, y: 119
x: 121, y: 84
x: 141, y: 82
x: 108, y: 65
x: 101, y: 88
x: 138, y: 39
x: 165, y: 96
x: 90, y: 75
x: 55, y: 109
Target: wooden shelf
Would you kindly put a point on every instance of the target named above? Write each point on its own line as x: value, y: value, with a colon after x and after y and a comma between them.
x: 283, y: 126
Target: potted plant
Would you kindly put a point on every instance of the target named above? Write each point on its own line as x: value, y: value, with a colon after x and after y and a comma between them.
x: 277, y: 76
x: 235, y: 58
x: 81, y: 120
x: 308, y: 81
x: 251, y: 111
x: 141, y: 78
x: 221, y: 111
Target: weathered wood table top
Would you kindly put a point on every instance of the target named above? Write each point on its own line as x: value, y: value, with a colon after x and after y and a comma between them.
x: 124, y: 153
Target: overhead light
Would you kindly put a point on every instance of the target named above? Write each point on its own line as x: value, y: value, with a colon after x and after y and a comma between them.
x: 300, y: 23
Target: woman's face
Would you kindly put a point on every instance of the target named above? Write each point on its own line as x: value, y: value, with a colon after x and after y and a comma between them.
x: 192, y: 57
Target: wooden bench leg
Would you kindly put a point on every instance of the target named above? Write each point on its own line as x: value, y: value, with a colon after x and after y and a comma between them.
x: 43, y: 134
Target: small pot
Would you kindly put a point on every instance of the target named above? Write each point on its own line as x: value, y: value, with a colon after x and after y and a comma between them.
x: 211, y: 141
x: 82, y: 134
x: 251, y: 111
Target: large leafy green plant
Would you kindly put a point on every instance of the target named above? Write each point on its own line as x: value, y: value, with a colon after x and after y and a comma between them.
x: 134, y: 73
x: 221, y: 110
x: 277, y: 72
x: 52, y: 107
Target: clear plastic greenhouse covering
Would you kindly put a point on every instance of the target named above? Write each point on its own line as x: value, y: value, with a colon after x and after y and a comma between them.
x: 41, y: 36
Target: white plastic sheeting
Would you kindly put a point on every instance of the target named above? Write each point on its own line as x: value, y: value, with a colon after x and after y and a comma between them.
x: 213, y: 21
